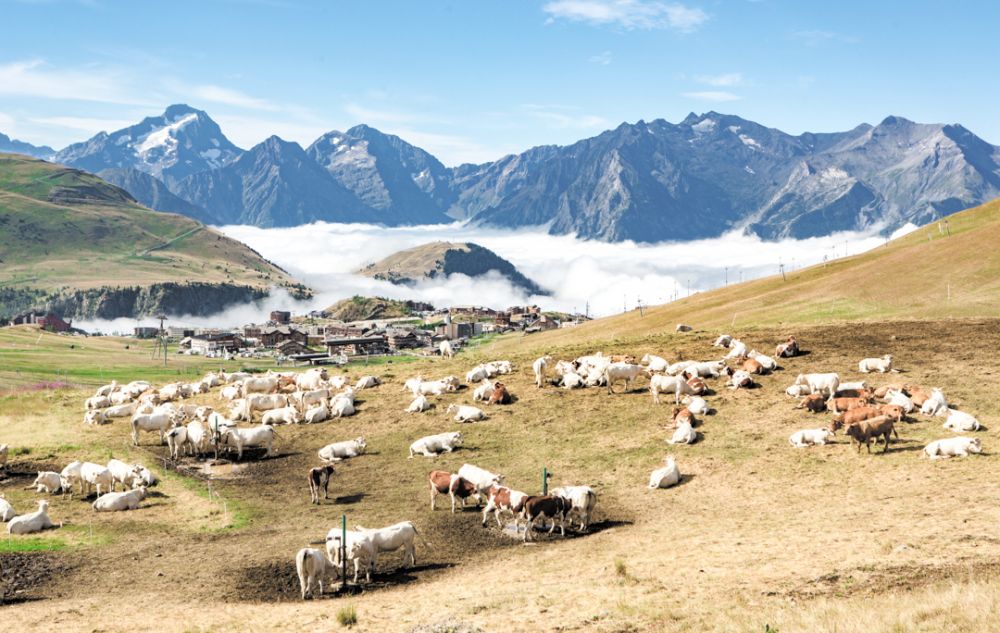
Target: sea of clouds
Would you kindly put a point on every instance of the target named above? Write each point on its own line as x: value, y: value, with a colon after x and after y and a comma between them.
x: 604, y: 277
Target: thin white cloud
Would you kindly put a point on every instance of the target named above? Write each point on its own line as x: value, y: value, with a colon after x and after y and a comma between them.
x: 563, y: 116
x: 376, y: 116
x: 717, y: 96
x: 222, y: 95
x: 247, y: 131
x: 726, y: 80
x: 84, y: 124
x: 628, y: 14
x: 36, y: 78
x: 602, y: 59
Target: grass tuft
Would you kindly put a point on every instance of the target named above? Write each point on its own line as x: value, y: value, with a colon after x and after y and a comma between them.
x: 347, y: 616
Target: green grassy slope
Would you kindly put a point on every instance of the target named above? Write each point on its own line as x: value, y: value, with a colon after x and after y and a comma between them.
x: 63, y: 227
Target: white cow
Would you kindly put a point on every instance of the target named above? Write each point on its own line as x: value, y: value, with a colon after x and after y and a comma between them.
x: 583, y: 500
x: 95, y: 417
x: 621, y: 371
x: 710, y: 369
x: 235, y: 377
x: 740, y: 379
x: 121, y: 411
x: 259, y: 402
x: 654, y: 363
x: 393, y: 537
x: 366, y: 382
x: 482, y: 479
x: 263, y: 384
x: 232, y: 392
x: 483, y: 392
x: 287, y: 415
x: 446, y: 349
x: 319, y: 413
x: 255, y: 436
x: 107, y: 390
x: 303, y: 399
x: 120, y: 501
x: 500, y: 367
x: 935, y: 404
x: 432, y: 388
x: 685, y: 434
x: 667, y: 476
x: 98, y: 476
x: 669, y: 384
x: 696, y: 405
x: 177, y: 441
x: 737, y: 349
x: 826, y: 384
x: 540, y: 368
x: 360, y: 549
x: 343, y: 450
x: 6, y: 510
x: 46, y: 481
x: 900, y: 399
x: 680, y: 366
x: 961, y: 421
x: 433, y: 445
x: 313, y: 567
x: 97, y: 402
x: 797, y: 391
x: 476, y: 374
x: 880, y: 365
x: 156, y: 422
x: 953, y: 447
x: 572, y: 380
x: 311, y: 379
x: 70, y: 477
x: 341, y: 407
x: 723, y: 341
x: 123, y: 473
x: 420, y: 403
x: 808, y: 437
x: 466, y: 413
x: 766, y: 362
x: 34, y: 522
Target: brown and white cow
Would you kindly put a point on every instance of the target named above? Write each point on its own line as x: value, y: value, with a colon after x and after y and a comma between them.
x: 319, y: 478
x: 787, y: 349
x: 698, y: 385
x: 549, y: 507
x: 503, y: 499
x: 445, y: 483
x: 500, y: 394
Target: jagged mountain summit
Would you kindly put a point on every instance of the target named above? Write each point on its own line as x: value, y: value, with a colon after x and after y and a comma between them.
x: 644, y: 181
x: 180, y: 142
x: 14, y: 146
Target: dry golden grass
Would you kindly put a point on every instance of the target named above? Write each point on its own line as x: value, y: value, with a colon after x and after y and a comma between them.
x: 759, y: 533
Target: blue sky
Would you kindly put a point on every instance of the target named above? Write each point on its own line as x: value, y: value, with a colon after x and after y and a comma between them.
x: 472, y: 81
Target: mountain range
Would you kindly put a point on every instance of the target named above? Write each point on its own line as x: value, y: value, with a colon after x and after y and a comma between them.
x: 648, y: 181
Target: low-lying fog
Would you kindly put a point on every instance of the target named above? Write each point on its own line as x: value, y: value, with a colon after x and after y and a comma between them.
x: 580, y: 273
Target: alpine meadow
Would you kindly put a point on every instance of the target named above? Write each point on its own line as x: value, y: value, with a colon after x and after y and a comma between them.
x: 592, y: 315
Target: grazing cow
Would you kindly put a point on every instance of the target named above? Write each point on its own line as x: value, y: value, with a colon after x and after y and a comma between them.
x: 540, y: 367
x: 881, y: 365
x: 46, y: 481
x: 669, y: 384
x: 6, y: 510
x: 961, y: 421
x: 814, y: 403
x: 503, y: 499
x: 667, y: 476
x: 120, y: 501
x: 366, y: 382
x: 445, y: 349
x: 935, y: 404
x: 549, y: 507
x: 445, y: 483
x: 31, y: 523
x: 343, y: 450
x: 860, y: 414
x: 313, y: 567
x: 696, y: 405
x: 391, y: 538
x: 419, y: 404
x: 953, y: 447
x: 288, y: 415
x: 123, y: 473
x: 621, y: 371
x: 177, y: 440
x: 360, y: 549
x: 809, y: 437
x: 864, y: 431
x: 255, y: 436
x: 466, y: 413
x: 582, y: 499
x: 434, y: 445
x: 500, y: 394
x: 723, y: 341
x: 825, y: 384
x: 482, y: 479
x: 70, y: 477
x: 839, y: 405
x: 685, y: 434
x: 319, y: 478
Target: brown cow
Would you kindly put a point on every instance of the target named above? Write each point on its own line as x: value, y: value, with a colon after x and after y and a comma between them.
x: 752, y: 366
x: 839, y: 405
x: 698, y: 385
x: 548, y: 507
x: 683, y: 414
x: 787, y: 349
x: 445, y: 483
x: 864, y: 431
x: 319, y: 477
x: 893, y: 411
x: 854, y: 393
x: 884, y: 389
x: 813, y: 402
x: 500, y: 394
x: 623, y: 358
x: 917, y: 395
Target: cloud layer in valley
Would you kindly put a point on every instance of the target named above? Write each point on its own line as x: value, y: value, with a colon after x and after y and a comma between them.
x: 604, y: 277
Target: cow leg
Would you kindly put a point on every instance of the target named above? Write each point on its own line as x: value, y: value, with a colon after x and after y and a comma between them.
x: 326, y: 488
x: 452, y: 495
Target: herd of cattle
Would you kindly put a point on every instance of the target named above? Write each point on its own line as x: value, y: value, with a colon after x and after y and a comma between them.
x: 864, y: 413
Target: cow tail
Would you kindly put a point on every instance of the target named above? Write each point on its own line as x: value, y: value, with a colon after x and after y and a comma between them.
x: 422, y: 539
